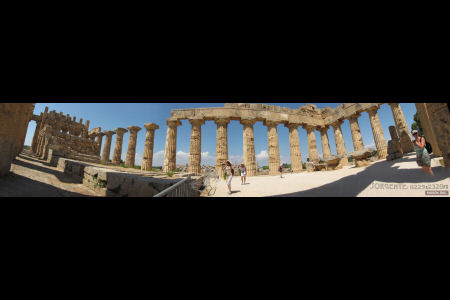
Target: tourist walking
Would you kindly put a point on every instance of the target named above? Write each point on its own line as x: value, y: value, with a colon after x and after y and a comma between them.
x: 423, y: 157
x: 280, y: 169
x: 243, y: 172
x: 228, y: 172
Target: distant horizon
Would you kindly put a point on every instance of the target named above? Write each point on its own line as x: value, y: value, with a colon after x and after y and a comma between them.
x: 109, y: 116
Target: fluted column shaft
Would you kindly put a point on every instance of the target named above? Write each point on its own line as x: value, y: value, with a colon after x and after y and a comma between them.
x: 378, y: 136
x: 249, y: 147
x: 107, y: 148
x: 221, y: 143
x: 428, y: 127
x: 294, y: 145
x: 340, y: 145
x: 34, y: 143
x: 325, y: 142
x: 356, y: 133
x: 274, y: 150
x: 99, y: 142
x: 402, y: 128
x: 117, y: 155
x: 195, y: 153
x: 131, y: 152
x: 440, y: 114
x: 147, y: 157
x: 312, y: 144
x: 170, y: 154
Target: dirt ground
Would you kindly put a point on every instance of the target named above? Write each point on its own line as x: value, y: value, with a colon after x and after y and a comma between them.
x: 31, y: 177
x: 398, y: 178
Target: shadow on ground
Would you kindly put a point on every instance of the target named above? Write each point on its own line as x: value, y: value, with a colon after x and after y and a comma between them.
x: 351, y: 186
x: 14, y: 185
x: 60, y: 175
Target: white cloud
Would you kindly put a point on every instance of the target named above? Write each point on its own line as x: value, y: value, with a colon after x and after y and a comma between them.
x: 262, y: 155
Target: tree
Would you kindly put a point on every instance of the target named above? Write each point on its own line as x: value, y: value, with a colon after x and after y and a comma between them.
x: 417, y: 125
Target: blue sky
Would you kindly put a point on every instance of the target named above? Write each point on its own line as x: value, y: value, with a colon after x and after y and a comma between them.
x: 109, y: 116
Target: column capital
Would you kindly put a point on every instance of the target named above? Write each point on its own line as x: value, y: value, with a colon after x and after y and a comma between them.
x: 120, y: 131
x: 354, y: 116
x: 134, y: 129
x: 292, y: 125
x: 323, y: 129
x: 109, y: 133
x: 151, y: 126
x: 173, y: 122
x: 197, y: 121
x: 270, y: 123
x: 337, y: 123
x: 308, y: 127
x: 248, y: 121
x: 101, y: 134
x: 373, y: 110
x: 222, y: 121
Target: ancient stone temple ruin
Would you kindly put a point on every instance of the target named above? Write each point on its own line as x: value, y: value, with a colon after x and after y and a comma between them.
x: 310, y: 118
x: 62, y: 136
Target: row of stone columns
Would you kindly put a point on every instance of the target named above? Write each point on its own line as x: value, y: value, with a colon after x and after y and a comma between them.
x: 147, y: 157
x: 274, y: 152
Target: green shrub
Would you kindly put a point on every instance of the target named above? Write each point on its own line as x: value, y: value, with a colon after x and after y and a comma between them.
x: 265, y: 167
x: 137, y: 167
x: 350, y: 158
x: 170, y: 174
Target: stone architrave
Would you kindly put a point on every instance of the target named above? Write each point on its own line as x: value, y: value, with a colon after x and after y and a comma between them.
x: 249, y: 146
x: 294, y: 144
x: 170, y: 153
x: 356, y: 132
x: 274, y: 149
x: 440, y: 114
x: 325, y: 142
x: 117, y: 155
x: 312, y: 144
x: 402, y: 128
x: 147, y: 157
x: 340, y: 145
x: 107, y: 147
x: 427, y: 127
x: 195, y: 153
x: 377, y: 131
x: 131, y: 152
x: 221, y: 143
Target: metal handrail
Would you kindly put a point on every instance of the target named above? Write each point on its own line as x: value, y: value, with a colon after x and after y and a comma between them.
x: 173, y: 187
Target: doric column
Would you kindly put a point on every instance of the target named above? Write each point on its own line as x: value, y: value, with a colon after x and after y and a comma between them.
x: 147, y: 157
x: 195, y: 153
x: 339, y: 139
x: 356, y: 132
x: 428, y: 127
x: 274, y: 149
x: 377, y: 131
x: 9, y: 120
x: 249, y: 146
x: 402, y: 128
x: 99, y: 141
x: 117, y: 155
x: 325, y: 142
x: 221, y: 143
x: 312, y: 144
x: 131, y: 152
x: 107, y: 148
x: 34, y: 143
x: 294, y: 144
x: 170, y: 154
x: 440, y: 114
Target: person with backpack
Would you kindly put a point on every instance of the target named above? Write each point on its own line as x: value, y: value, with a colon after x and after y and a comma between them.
x: 280, y: 169
x: 228, y: 172
x: 423, y: 154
